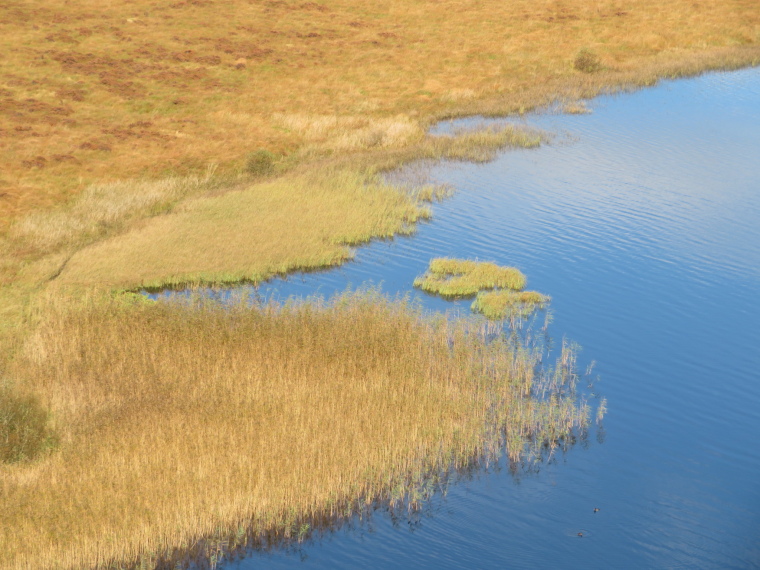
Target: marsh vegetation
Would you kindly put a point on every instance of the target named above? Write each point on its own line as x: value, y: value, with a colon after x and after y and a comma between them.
x: 465, y: 278
x: 505, y: 303
x: 180, y: 418
x: 197, y: 143
x: 498, y: 290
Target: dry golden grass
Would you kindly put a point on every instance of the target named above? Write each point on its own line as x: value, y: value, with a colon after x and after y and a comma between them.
x: 178, y: 421
x: 109, y: 119
x: 124, y: 90
x: 102, y: 208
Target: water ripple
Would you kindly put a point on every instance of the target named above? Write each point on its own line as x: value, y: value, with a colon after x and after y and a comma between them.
x: 644, y: 227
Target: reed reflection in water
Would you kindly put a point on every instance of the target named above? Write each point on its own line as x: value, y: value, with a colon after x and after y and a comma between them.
x: 642, y: 225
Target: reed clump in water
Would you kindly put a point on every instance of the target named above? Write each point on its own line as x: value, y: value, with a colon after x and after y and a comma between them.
x: 177, y: 420
x: 503, y: 303
x: 498, y: 290
x: 576, y: 108
x: 450, y: 277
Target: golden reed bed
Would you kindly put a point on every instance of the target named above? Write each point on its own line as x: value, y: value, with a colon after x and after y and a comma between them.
x: 179, y: 421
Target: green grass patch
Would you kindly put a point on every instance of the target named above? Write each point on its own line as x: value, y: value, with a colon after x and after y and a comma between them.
x: 499, y: 290
x: 501, y: 304
x: 260, y: 162
x: 454, y: 278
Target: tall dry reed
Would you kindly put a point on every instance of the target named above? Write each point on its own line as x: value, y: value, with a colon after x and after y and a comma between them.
x: 177, y: 420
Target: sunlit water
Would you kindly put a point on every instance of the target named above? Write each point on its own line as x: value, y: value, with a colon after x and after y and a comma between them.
x: 642, y: 221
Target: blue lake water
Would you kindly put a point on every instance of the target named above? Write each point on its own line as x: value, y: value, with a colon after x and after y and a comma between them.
x: 642, y: 222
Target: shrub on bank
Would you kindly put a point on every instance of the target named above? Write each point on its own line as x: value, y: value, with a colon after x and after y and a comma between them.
x: 24, y: 430
x: 587, y: 61
x: 260, y: 162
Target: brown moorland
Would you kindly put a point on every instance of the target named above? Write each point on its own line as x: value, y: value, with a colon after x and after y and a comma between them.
x: 149, y: 89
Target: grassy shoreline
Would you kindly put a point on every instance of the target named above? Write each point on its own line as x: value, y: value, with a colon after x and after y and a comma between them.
x: 110, y: 120
x: 153, y: 544
x: 145, y: 90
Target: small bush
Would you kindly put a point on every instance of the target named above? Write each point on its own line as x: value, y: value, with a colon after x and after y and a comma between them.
x: 24, y: 430
x: 587, y: 61
x: 260, y: 162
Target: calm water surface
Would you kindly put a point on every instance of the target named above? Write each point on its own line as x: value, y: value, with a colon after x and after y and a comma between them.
x: 642, y: 221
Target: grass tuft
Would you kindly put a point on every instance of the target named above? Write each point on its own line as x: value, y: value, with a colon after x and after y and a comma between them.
x: 504, y: 303
x: 453, y: 278
x: 260, y: 162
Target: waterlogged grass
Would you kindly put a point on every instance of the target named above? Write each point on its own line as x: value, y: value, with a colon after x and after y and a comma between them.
x: 498, y: 290
x: 454, y: 278
x: 253, y: 233
x: 504, y: 303
x: 185, y: 420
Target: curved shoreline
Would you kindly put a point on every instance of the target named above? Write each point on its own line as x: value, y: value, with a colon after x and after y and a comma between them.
x: 386, y: 162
